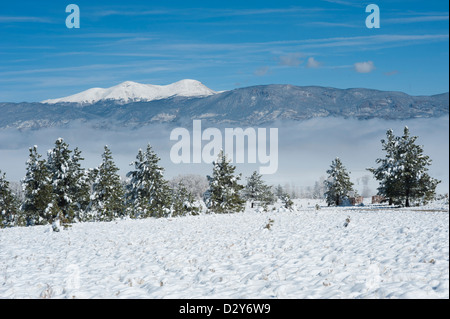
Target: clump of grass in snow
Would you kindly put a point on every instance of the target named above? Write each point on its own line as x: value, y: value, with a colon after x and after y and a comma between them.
x: 347, y: 221
x: 269, y: 224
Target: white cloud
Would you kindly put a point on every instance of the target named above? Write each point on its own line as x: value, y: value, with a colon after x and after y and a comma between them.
x: 312, y: 63
x: 364, y: 67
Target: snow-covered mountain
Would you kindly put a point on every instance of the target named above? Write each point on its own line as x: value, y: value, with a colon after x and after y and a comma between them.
x: 136, y: 92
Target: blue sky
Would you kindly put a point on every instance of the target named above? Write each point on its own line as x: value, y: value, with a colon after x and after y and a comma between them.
x: 225, y: 45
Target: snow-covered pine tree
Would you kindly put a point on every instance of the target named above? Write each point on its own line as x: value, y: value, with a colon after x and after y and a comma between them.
x: 287, y: 201
x: 319, y: 190
x: 387, y: 172
x: 9, y: 206
x: 69, y: 182
x: 58, y: 163
x: 257, y: 192
x: 38, y: 191
x: 183, y: 202
x: 196, y: 184
x: 148, y: 193
x: 338, y: 184
x: 403, y: 172
x: 107, y: 198
x: 279, y: 191
x: 223, y: 195
x: 80, y: 188
x: 417, y: 184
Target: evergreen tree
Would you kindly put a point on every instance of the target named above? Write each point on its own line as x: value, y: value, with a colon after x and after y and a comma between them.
x: 257, y: 192
x: 403, y: 172
x: 387, y: 172
x: 107, y: 199
x: 148, y: 193
x: 318, y: 190
x: 183, y: 202
x: 80, y: 184
x: 223, y: 195
x: 37, y: 190
x: 287, y: 201
x: 58, y: 163
x: 69, y: 183
x: 9, y: 206
x: 338, y: 184
x: 279, y: 191
x: 283, y: 195
x: 196, y: 184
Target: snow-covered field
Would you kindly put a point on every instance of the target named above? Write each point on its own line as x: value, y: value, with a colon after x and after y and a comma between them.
x: 307, y: 253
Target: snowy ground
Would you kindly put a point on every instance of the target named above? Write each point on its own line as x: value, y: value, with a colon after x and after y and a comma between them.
x: 382, y: 253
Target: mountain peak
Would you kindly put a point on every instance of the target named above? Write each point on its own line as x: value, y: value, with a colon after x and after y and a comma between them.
x: 130, y: 91
x: 128, y: 83
x: 188, y: 81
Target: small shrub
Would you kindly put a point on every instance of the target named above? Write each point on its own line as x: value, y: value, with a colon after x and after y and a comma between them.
x: 269, y: 224
x: 347, y: 221
x: 287, y: 201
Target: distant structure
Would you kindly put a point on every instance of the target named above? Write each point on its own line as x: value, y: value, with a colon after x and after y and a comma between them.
x: 377, y: 199
x: 356, y: 200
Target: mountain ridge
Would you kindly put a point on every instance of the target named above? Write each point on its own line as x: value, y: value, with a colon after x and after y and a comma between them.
x: 254, y: 105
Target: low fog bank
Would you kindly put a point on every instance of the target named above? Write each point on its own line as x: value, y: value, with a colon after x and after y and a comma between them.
x: 305, y: 149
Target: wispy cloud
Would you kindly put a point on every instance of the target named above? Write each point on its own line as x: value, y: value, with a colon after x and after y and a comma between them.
x: 375, y: 39
x: 261, y: 71
x: 344, y: 3
x: 264, y: 11
x: 291, y: 59
x: 111, y: 35
x: 201, y: 13
x: 127, y: 12
x: 390, y: 73
x: 90, y: 67
x: 355, y: 43
x: 328, y: 24
x: 417, y: 19
x: 18, y: 19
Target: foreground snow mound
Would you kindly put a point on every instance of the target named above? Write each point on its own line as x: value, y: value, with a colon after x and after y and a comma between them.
x: 306, y: 253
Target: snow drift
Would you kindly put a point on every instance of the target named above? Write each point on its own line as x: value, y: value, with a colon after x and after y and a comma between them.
x: 307, y: 253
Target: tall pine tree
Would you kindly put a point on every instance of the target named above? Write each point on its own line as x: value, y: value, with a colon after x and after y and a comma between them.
x: 223, y: 195
x: 38, y: 190
x: 257, y: 192
x: 183, y: 202
x: 148, y: 193
x: 107, y: 199
x: 58, y: 163
x: 80, y: 184
x: 9, y: 206
x: 69, y: 182
x: 402, y: 172
x: 338, y: 184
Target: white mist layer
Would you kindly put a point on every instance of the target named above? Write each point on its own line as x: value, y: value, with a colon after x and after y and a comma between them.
x: 306, y: 148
